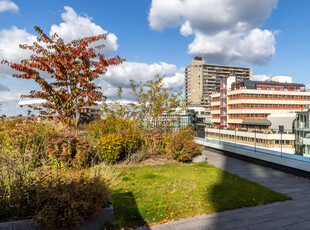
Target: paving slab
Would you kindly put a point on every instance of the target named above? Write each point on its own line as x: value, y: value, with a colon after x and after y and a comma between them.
x: 286, y: 215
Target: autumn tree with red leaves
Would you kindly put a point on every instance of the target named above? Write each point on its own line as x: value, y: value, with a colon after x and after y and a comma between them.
x: 71, y: 69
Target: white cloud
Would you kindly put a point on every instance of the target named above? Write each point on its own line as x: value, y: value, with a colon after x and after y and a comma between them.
x: 73, y: 27
x: 256, y: 47
x: 12, y: 94
x: 260, y: 77
x: 120, y: 75
x: 9, y: 47
x: 226, y: 31
x: 7, y: 5
x: 186, y: 29
x: 165, y: 14
x: 76, y: 27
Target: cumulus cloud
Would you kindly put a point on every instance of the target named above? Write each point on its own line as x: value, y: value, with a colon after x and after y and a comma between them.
x: 120, y: 75
x: 260, y: 77
x: 7, y: 5
x: 226, y: 31
x: 256, y: 47
x: 73, y: 27
x: 76, y: 26
x: 9, y: 47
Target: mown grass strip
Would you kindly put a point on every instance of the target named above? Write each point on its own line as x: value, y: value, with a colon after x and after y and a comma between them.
x: 155, y: 194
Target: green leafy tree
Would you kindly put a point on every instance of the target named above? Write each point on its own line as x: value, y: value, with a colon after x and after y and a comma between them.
x: 71, y: 68
x: 155, y: 103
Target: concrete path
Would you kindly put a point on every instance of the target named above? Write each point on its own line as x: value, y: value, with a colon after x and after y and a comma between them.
x: 285, y: 215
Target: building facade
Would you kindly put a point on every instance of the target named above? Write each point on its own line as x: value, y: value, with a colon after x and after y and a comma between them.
x: 302, y: 132
x: 249, y: 103
x: 201, y: 80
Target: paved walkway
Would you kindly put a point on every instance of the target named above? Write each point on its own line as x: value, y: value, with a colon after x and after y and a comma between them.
x: 285, y: 215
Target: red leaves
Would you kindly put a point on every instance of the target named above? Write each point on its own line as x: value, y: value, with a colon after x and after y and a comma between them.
x: 71, y: 68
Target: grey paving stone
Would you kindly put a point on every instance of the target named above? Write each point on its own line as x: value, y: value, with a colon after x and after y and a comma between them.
x: 198, y: 225
x: 299, y: 226
x: 279, y: 223
x: 23, y: 225
x: 6, y: 226
x: 255, y: 211
x: 217, y: 227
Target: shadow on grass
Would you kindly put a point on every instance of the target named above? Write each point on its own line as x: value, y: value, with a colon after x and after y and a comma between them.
x: 126, y: 211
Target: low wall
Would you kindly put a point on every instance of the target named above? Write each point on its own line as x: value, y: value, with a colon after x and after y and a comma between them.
x: 105, y: 217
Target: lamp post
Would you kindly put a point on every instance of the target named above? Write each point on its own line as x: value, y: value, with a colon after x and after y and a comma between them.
x: 281, y: 144
x: 235, y: 137
x: 255, y: 139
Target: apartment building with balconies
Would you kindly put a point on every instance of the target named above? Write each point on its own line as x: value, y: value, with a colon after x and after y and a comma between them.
x: 201, y: 80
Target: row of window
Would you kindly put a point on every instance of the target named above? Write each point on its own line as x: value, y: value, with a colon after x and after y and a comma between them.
x: 271, y: 87
x: 269, y: 96
x: 244, y: 116
x: 265, y: 106
x: 261, y: 106
x: 264, y: 96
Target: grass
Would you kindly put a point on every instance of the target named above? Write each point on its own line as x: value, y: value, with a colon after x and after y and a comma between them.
x: 156, y: 194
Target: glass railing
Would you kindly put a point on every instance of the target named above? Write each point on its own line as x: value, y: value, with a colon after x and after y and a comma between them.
x: 256, y: 149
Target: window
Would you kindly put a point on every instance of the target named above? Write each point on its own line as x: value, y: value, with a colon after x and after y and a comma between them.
x: 281, y: 128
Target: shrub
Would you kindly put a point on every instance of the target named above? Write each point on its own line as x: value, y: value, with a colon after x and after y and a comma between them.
x: 23, y: 145
x: 154, y: 142
x: 181, y: 146
x: 111, y: 146
x: 69, y: 151
x: 114, y: 137
x: 55, y: 199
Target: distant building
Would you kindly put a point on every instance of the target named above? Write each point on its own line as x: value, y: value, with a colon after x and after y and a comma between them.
x: 203, y: 115
x: 248, y: 103
x: 303, y: 132
x: 283, y: 79
x: 283, y: 122
x: 201, y: 80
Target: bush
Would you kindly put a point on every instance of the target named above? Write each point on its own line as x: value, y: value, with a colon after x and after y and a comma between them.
x: 181, y: 146
x: 26, y: 140
x: 23, y: 145
x: 111, y: 146
x: 55, y: 199
x: 154, y: 142
x: 115, y: 138
x: 69, y: 151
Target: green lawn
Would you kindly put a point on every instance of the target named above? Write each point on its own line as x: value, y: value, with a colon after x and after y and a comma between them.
x: 152, y: 194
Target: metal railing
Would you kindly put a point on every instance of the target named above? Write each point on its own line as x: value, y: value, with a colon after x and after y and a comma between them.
x: 254, y: 149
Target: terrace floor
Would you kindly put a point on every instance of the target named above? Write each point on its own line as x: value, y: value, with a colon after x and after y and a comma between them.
x: 286, y: 215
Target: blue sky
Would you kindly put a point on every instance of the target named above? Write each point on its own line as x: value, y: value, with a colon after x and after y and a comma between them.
x: 160, y: 36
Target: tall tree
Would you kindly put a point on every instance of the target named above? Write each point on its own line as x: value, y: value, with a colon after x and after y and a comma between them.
x: 156, y: 103
x: 71, y: 69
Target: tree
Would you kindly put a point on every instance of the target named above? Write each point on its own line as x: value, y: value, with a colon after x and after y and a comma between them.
x: 71, y: 68
x: 154, y: 101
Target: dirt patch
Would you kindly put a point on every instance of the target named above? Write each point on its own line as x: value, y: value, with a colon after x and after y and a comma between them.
x: 151, y: 160
x: 158, y: 160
